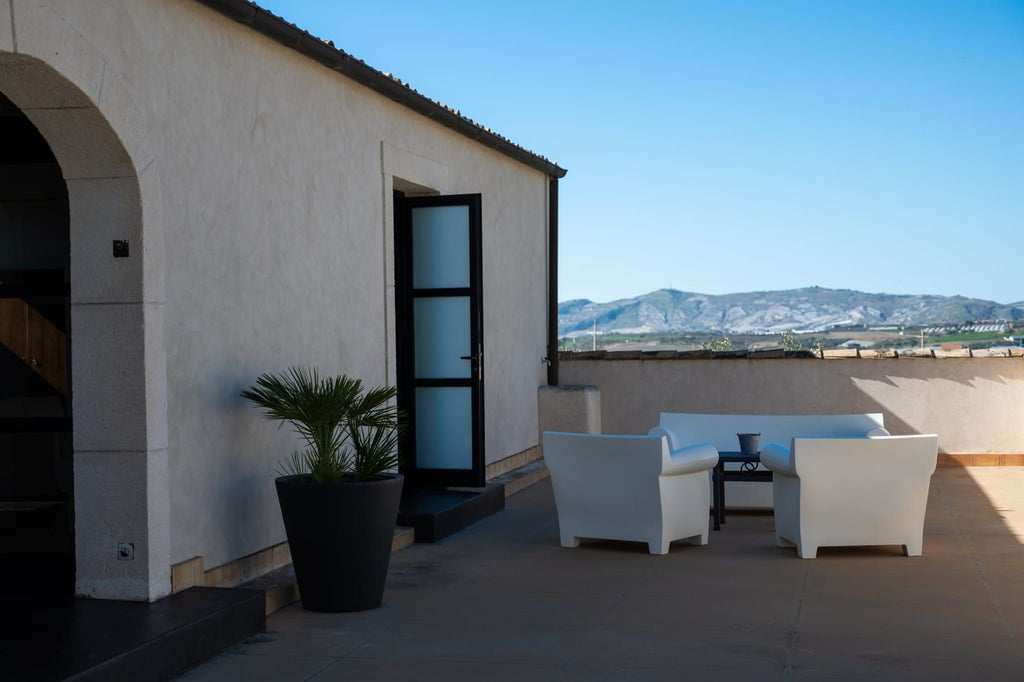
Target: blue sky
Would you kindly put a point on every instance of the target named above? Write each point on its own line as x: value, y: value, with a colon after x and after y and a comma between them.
x: 727, y: 146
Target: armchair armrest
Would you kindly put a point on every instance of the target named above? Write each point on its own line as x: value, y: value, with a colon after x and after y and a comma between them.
x: 694, y: 458
x: 779, y: 459
x: 674, y: 442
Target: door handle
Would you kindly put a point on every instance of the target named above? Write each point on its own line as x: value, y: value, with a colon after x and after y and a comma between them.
x: 476, y: 366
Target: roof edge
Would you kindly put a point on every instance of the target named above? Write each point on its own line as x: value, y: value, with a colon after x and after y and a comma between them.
x: 323, y: 52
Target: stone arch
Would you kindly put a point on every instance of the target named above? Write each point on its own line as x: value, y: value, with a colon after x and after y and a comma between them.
x: 118, y: 382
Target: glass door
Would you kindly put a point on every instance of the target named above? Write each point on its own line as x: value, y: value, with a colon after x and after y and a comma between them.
x: 440, y: 339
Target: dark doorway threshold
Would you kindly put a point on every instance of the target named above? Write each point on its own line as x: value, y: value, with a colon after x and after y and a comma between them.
x: 436, y: 513
x: 60, y: 638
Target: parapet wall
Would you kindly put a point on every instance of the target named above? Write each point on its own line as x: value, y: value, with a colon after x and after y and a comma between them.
x: 974, y: 403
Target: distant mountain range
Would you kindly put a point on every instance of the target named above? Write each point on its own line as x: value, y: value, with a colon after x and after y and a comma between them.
x: 808, y: 309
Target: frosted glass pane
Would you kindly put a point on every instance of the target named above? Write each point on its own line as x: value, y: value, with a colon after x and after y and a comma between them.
x: 440, y: 247
x: 444, y: 428
x: 442, y: 337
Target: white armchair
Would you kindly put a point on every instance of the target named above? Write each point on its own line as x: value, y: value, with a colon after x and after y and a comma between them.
x: 629, y: 488
x: 851, y: 491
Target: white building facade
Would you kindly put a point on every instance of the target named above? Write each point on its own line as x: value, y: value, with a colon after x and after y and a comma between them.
x: 231, y: 187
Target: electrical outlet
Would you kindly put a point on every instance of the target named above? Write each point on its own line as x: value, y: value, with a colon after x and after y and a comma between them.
x: 126, y: 551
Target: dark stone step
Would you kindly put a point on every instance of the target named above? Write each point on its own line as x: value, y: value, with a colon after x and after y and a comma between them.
x: 44, y: 640
x: 436, y: 513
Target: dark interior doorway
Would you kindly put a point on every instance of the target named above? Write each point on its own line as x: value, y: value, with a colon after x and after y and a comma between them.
x: 36, y: 472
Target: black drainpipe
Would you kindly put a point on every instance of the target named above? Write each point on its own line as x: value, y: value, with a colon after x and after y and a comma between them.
x: 552, y: 281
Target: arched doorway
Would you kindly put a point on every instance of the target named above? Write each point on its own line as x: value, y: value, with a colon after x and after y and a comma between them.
x: 36, y: 472
x: 117, y: 360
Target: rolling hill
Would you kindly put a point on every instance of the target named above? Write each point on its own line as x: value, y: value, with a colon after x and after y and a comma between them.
x: 807, y: 309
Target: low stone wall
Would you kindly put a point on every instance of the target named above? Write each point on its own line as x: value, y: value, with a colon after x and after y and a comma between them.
x: 975, y: 404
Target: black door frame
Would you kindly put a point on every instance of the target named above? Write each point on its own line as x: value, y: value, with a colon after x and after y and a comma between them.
x: 407, y: 383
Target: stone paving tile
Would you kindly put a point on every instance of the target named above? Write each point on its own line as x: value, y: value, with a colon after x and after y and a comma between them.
x: 419, y: 670
x: 562, y: 571
x: 944, y: 543
x: 232, y: 666
x: 523, y: 608
x: 928, y: 659
x: 1005, y: 582
x: 502, y: 601
x: 909, y: 618
x: 757, y: 652
x: 898, y: 578
x: 996, y: 544
x: 321, y: 635
x: 480, y: 641
x: 692, y: 616
x: 587, y: 672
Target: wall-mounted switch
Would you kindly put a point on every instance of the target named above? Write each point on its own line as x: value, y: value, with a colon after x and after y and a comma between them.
x: 120, y: 248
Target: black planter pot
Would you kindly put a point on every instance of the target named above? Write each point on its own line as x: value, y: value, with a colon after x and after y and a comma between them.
x: 340, y: 537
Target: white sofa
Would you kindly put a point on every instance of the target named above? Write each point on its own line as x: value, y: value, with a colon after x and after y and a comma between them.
x: 685, y: 428
x: 851, y: 491
x: 629, y: 488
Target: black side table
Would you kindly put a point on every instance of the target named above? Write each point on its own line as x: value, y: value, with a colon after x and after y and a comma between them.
x: 750, y: 470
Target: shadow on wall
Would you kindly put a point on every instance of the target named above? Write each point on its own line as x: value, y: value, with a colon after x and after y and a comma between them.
x: 968, y: 402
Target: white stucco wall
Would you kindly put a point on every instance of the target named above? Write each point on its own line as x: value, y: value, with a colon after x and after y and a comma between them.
x: 265, y: 242
x: 973, y: 404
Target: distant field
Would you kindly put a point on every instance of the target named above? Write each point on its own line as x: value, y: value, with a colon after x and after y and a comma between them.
x: 833, y: 339
x: 973, y: 337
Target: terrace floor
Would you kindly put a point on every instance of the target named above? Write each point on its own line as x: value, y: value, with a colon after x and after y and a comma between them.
x: 502, y: 601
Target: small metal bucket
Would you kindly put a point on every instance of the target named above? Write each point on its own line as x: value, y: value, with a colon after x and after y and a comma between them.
x: 748, y: 443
